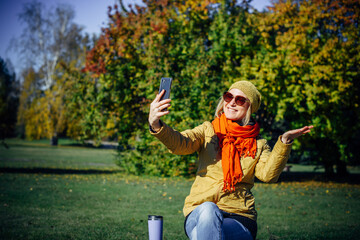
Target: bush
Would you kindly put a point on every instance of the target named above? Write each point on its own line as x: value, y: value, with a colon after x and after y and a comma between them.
x: 149, y: 156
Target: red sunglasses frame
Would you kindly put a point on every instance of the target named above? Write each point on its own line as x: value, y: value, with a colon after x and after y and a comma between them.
x: 239, y: 100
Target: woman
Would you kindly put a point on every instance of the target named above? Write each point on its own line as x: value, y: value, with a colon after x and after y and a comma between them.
x: 231, y: 153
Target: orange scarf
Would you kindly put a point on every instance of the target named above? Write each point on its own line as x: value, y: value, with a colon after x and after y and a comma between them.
x: 235, y: 141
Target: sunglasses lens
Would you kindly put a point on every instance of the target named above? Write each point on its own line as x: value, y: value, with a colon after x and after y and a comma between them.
x: 228, y: 97
x: 240, y: 100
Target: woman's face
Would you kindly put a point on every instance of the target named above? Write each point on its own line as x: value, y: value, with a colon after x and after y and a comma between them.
x: 232, y: 110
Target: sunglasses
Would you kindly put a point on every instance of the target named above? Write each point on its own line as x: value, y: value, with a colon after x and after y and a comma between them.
x: 239, y: 100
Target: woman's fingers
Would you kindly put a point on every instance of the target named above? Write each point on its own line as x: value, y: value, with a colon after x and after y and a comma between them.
x: 157, y: 103
x: 160, y: 114
x: 303, y: 130
x: 162, y: 107
x: 159, y: 95
x: 292, y: 134
x: 157, y: 109
x: 306, y: 129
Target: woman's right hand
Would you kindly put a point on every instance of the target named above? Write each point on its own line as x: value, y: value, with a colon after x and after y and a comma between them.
x: 156, y: 111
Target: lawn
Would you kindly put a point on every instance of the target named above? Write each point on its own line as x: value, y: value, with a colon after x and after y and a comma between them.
x: 79, y: 204
x: 67, y: 156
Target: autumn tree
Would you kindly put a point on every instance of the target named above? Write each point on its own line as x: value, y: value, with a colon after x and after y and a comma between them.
x: 49, y: 38
x: 31, y: 111
x: 181, y: 39
x: 307, y: 69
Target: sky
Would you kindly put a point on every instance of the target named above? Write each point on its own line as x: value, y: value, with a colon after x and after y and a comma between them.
x: 91, y: 14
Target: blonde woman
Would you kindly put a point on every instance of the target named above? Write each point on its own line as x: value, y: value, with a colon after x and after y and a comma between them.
x: 231, y: 153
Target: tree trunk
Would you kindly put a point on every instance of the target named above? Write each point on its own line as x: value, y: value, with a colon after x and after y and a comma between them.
x: 341, y: 170
x: 54, y: 140
x: 329, y: 155
x: 329, y: 170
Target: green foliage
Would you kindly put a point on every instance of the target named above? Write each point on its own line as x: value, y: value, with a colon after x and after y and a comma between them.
x: 308, y: 73
x: 140, y: 159
x: 9, y: 100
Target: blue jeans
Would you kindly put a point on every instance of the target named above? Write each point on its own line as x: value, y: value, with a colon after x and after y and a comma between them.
x: 207, y: 222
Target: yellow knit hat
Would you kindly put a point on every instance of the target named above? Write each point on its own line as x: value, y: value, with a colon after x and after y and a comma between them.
x: 251, y: 93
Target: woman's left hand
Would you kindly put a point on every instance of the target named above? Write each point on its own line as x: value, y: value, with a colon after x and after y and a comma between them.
x: 292, y: 134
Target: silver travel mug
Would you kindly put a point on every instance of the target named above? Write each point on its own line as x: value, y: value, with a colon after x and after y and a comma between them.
x: 155, y: 225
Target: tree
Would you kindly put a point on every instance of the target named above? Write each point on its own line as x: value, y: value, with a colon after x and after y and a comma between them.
x: 9, y: 100
x: 181, y: 39
x: 307, y: 69
x: 50, y: 37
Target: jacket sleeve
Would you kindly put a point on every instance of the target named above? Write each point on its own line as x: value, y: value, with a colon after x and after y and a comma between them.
x: 186, y: 142
x: 272, y: 163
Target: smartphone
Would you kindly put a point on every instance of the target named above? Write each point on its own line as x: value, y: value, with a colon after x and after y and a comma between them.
x: 165, y: 83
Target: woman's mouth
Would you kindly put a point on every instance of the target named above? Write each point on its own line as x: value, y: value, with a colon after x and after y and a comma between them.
x: 232, y: 110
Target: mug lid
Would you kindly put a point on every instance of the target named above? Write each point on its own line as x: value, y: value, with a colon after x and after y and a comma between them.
x: 155, y: 217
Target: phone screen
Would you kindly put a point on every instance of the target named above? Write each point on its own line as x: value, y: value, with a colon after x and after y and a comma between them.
x: 165, y: 83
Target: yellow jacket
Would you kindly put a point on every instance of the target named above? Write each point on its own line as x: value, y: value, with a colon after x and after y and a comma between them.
x: 207, y: 187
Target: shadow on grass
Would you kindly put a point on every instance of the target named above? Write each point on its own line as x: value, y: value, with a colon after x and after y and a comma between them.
x: 284, y: 177
x: 57, y: 171
x: 88, y: 145
x: 75, y: 145
x: 320, y: 177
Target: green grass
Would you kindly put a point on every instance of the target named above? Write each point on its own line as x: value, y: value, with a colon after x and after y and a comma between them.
x: 88, y: 206
x: 308, y: 210
x: 318, y: 169
x: 39, y: 154
x: 115, y: 205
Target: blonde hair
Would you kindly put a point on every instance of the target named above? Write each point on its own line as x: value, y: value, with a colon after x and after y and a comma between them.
x: 220, y: 110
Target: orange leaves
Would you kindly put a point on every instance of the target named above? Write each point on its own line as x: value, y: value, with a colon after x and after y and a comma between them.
x: 160, y: 27
x: 125, y: 34
x: 141, y: 30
